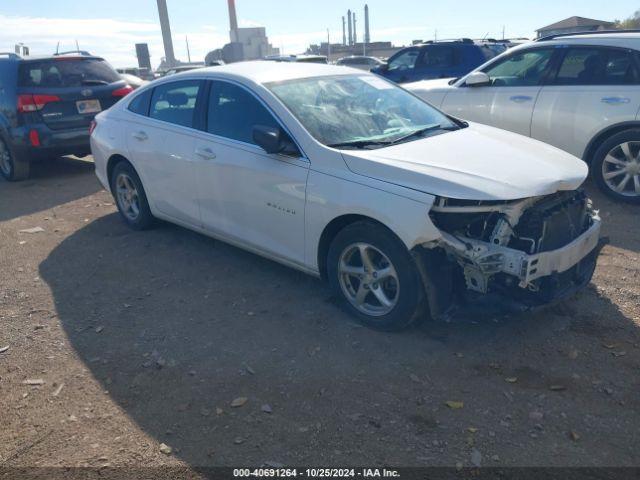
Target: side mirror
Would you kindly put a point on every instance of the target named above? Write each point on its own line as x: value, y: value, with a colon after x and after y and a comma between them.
x: 273, y: 140
x: 268, y: 138
x: 477, y: 79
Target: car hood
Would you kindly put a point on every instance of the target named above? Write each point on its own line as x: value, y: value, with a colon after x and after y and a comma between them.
x: 438, y: 84
x: 473, y: 163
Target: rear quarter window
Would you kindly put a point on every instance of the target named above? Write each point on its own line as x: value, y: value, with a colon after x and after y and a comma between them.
x: 140, y: 104
x: 66, y: 72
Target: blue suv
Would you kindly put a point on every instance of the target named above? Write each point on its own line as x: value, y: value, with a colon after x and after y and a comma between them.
x: 443, y: 59
x: 47, y: 105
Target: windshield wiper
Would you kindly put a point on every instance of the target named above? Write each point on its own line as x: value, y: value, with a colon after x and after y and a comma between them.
x: 94, y: 82
x: 359, y: 144
x: 420, y: 132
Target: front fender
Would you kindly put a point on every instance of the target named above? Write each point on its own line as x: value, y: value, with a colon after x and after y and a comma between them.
x: 330, y: 197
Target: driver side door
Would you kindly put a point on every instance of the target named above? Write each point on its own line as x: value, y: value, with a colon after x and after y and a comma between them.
x: 508, y: 101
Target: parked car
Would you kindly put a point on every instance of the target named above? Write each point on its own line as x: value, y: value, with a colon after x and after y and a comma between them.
x: 180, y: 69
x: 451, y: 58
x: 47, y: 104
x: 580, y: 93
x: 297, y: 58
x: 133, y: 81
x: 360, y: 62
x: 351, y: 178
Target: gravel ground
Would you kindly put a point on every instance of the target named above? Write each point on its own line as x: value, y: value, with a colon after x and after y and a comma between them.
x: 121, y: 341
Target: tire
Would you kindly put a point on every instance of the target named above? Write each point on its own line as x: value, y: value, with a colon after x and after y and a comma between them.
x: 12, y: 168
x: 619, y: 157
x: 403, y: 292
x: 130, y: 197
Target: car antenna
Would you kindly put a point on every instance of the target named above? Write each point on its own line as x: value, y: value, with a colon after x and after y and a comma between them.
x: 77, y: 46
x: 57, y: 47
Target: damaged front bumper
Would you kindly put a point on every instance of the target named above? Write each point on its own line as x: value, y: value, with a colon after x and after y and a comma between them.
x: 464, y: 273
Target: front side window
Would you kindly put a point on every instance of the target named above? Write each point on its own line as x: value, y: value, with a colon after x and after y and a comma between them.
x: 233, y: 112
x: 597, y: 66
x: 363, y: 111
x: 175, y: 102
x: 405, y: 60
x: 521, y: 69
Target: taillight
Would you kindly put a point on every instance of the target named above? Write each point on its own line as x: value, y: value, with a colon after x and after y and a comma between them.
x: 32, y: 103
x: 92, y: 126
x: 121, y: 92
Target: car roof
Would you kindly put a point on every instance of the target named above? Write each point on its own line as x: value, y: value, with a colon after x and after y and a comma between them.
x: 615, y: 39
x: 260, y: 71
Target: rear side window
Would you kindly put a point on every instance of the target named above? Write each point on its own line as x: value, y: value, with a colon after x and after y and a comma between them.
x: 175, y: 102
x: 437, y: 56
x: 233, y: 112
x: 66, y: 72
x: 597, y: 66
x: 140, y: 104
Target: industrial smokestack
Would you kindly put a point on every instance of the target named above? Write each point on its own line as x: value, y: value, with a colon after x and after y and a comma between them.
x: 355, y: 30
x: 233, y: 19
x: 349, y: 26
x: 166, y: 33
x: 344, y: 32
x: 367, y: 36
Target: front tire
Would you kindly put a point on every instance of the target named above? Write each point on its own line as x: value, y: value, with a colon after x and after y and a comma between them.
x: 130, y: 197
x: 616, y: 166
x: 374, y: 275
x: 12, y: 168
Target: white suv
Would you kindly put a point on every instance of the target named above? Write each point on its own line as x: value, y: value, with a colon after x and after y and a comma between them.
x: 579, y: 92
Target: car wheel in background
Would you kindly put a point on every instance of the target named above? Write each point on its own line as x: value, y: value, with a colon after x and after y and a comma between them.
x: 12, y: 168
x: 370, y: 269
x: 130, y: 197
x: 616, y: 166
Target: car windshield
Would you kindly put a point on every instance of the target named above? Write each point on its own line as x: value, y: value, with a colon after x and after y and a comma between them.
x: 358, y: 111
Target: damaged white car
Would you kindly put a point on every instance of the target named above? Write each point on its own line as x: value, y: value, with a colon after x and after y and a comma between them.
x: 405, y: 211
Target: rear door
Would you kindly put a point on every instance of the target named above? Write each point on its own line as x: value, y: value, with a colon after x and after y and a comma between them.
x: 593, y: 88
x: 70, y: 90
x: 162, y: 142
x: 508, y: 101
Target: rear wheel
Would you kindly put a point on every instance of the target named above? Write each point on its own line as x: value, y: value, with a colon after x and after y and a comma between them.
x: 130, y: 197
x: 616, y: 166
x: 370, y: 269
x: 11, y: 167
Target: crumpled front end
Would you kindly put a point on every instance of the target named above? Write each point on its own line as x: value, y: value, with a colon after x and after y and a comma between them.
x: 509, y: 255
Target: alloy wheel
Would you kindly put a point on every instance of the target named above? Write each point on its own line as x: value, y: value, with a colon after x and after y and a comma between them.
x: 368, y: 279
x: 621, y: 169
x: 128, y: 197
x: 5, y: 159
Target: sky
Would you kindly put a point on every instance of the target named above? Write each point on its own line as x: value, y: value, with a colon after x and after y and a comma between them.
x: 111, y: 28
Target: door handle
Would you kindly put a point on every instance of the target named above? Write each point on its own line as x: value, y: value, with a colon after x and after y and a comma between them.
x: 521, y: 98
x: 615, y: 100
x: 206, y: 153
x: 140, y: 135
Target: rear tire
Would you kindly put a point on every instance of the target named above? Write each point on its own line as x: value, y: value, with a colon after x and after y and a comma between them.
x: 375, y: 276
x: 12, y: 168
x: 130, y: 197
x: 616, y: 166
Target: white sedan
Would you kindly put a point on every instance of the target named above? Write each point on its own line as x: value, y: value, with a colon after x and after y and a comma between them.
x: 346, y: 176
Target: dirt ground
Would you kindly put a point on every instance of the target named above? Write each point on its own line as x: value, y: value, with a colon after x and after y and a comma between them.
x: 136, y: 339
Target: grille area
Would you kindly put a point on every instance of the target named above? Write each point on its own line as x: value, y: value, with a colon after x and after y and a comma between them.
x: 551, y: 223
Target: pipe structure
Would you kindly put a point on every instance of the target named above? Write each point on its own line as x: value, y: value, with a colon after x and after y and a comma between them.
x: 367, y: 35
x: 349, y: 27
x: 169, y: 56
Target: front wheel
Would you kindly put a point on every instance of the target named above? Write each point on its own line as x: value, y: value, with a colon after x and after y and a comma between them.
x: 373, y: 273
x: 616, y: 166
